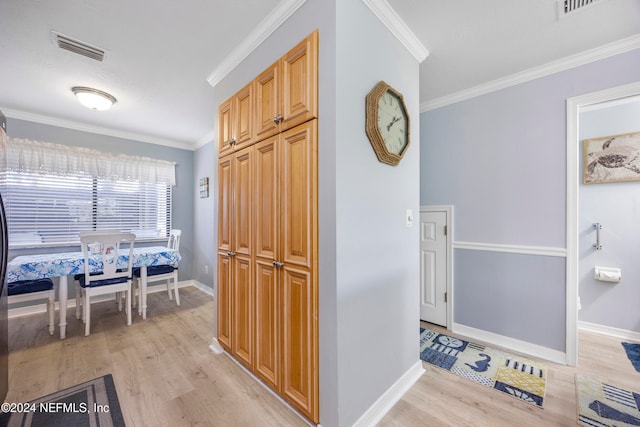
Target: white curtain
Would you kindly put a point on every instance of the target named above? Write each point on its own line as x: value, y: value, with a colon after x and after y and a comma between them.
x: 55, y: 159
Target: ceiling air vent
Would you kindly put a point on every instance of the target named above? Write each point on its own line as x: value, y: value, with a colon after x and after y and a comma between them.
x: 573, y: 5
x: 76, y: 46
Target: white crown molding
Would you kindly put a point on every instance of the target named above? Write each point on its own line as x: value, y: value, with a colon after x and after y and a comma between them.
x: 398, y: 28
x: 512, y: 249
x: 69, y: 124
x: 205, y: 139
x: 572, y: 61
x: 269, y: 24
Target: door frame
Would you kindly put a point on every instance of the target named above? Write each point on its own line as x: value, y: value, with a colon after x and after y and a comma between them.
x: 448, y: 210
x: 573, y: 185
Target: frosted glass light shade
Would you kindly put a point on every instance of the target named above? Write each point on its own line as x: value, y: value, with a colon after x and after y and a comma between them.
x: 93, y: 99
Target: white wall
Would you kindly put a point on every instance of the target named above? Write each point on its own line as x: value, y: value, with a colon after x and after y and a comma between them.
x: 617, y: 207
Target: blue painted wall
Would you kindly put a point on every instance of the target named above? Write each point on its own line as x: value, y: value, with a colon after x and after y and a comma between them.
x: 500, y: 159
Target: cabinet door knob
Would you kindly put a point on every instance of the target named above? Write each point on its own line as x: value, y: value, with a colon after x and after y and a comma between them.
x: 231, y: 254
x: 278, y: 264
x: 277, y: 119
x: 231, y: 141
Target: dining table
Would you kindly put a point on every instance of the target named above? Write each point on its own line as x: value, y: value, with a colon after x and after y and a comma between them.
x: 63, y: 265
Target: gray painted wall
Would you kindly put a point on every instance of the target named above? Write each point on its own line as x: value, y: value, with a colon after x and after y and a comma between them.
x: 617, y: 207
x: 500, y: 159
x: 204, y: 243
x: 183, y: 192
x: 369, y: 270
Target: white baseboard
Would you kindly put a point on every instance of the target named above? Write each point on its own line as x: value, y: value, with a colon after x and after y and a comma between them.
x: 609, y: 330
x: 383, y: 405
x: 511, y: 344
x: 215, y: 346
x: 71, y: 302
x: 204, y: 288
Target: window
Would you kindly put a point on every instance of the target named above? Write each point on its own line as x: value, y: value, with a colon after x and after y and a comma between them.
x: 53, y: 191
x: 50, y: 209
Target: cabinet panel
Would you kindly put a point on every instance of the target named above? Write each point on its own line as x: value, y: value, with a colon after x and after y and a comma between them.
x: 299, y: 194
x: 267, y: 309
x: 299, y: 337
x: 242, y: 331
x: 300, y: 83
x: 225, y: 127
x: 225, y: 205
x: 243, y: 117
x: 243, y: 201
x: 224, y: 301
x: 267, y: 93
x: 267, y: 196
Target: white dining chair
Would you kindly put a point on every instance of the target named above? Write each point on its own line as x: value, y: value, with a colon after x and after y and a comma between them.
x: 34, y: 290
x: 159, y: 273
x: 105, y: 249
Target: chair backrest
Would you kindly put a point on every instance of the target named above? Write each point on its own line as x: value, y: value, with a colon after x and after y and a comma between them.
x: 103, y: 253
x: 174, y: 239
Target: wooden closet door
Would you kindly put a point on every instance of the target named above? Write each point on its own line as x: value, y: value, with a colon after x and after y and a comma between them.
x: 243, y: 117
x: 224, y: 300
x: 267, y: 105
x: 299, y: 194
x: 225, y: 204
x: 225, y: 127
x: 242, y: 270
x: 300, y: 83
x: 225, y: 218
x: 299, y: 281
x: 267, y: 285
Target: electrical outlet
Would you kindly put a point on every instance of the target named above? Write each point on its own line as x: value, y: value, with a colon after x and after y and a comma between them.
x: 206, y: 269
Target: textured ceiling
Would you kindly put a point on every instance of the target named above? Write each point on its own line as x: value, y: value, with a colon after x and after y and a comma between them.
x: 159, y: 53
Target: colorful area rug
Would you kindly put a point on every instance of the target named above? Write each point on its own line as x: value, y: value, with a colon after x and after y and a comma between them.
x: 604, y: 405
x: 93, y: 403
x: 633, y: 353
x: 513, y: 375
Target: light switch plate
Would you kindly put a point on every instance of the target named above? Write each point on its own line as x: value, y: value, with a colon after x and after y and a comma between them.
x: 409, y: 222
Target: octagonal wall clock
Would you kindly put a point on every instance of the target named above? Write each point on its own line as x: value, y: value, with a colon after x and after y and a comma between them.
x: 387, y: 123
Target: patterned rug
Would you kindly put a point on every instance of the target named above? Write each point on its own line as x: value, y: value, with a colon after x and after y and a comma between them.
x: 604, y: 405
x: 93, y: 403
x: 513, y: 375
x: 633, y: 353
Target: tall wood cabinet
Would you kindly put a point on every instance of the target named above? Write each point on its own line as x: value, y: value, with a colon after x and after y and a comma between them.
x: 268, y: 232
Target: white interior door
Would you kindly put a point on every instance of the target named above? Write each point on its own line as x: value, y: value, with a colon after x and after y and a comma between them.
x: 433, y: 267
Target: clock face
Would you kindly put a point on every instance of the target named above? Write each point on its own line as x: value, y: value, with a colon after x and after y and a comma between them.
x: 392, y: 122
x: 387, y: 123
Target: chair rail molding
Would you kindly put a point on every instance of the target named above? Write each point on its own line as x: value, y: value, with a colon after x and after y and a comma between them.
x: 512, y: 249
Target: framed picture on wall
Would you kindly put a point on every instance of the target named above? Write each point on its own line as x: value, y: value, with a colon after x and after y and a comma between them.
x: 614, y: 158
x: 204, y: 187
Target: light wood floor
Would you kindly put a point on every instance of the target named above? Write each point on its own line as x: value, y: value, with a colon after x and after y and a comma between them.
x: 441, y: 398
x: 166, y: 376
x: 164, y: 373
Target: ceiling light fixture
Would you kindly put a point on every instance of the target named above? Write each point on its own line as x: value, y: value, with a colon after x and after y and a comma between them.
x: 93, y: 99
